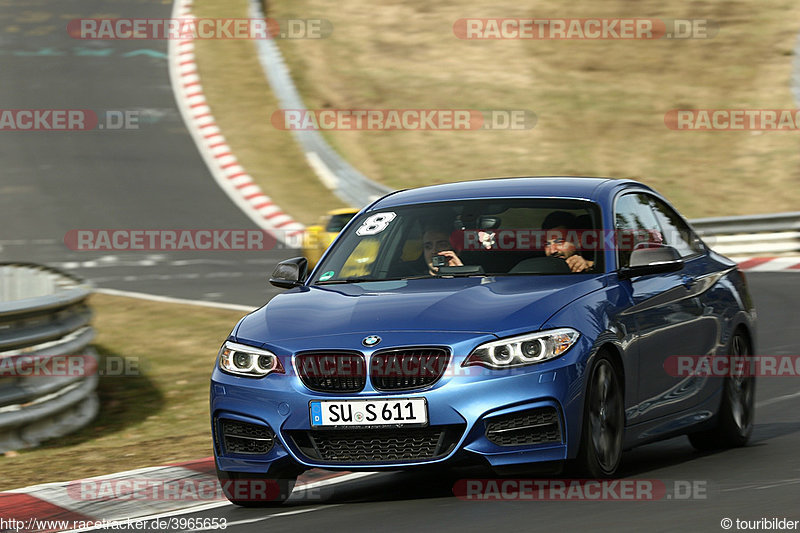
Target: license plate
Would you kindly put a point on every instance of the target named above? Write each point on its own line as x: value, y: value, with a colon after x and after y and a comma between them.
x: 395, y: 411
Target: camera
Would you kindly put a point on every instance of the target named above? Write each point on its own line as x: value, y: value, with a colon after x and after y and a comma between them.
x: 439, y: 261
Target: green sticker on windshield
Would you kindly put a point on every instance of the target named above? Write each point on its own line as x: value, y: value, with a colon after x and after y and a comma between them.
x: 327, y: 275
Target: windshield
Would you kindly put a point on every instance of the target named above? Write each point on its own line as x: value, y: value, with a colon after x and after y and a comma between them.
x: 337, y: 222
x: 466, y: 238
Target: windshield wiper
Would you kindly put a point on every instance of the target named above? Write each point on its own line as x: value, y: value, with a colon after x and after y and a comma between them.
x: 346, y: 280
x: 465, y: 275
x: 370, y: 280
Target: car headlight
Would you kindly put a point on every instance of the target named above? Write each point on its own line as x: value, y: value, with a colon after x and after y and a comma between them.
x: 248, y: 361
x: 522, y: 350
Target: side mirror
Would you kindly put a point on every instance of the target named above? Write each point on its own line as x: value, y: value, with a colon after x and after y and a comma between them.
x: 290, y: 273
x: 659, y: 260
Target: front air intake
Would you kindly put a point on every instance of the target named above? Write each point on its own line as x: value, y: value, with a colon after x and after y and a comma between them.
x: 535, y: 426
x: 245, y: 438
x: 379, y: 445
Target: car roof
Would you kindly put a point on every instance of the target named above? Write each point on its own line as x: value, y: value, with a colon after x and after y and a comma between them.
x: 542, y: 187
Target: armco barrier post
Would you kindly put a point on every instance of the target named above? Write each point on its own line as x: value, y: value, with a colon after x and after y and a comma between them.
x: 43, y: 317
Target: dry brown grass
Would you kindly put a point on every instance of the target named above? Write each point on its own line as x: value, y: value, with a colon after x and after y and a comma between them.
x: 242, y: 104
x: 600, y: 104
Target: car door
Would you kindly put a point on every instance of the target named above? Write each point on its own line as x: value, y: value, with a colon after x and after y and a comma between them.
x: 666, y: 309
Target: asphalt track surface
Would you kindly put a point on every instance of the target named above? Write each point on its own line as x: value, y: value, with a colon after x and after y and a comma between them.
x: 761, y: 480
x: 153, y: 178
x: 147, y: 178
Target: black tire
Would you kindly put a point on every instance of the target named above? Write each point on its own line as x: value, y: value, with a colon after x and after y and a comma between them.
x: 737, y: 409
x: 253, y: 490
x: 603, y: 427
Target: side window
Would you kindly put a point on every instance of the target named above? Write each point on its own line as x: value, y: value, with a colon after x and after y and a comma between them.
x: 675, y: 231
x: 635, y: 225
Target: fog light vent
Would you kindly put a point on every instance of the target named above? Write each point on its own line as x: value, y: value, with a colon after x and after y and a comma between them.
x: 535, y: 426
x: 245, y: 438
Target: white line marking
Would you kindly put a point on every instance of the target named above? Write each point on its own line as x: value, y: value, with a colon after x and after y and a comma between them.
x: 778, y: 399
x: 777, y: 264
x: 779, y: 484
x: 325, y: 174
x: 333, y: 481
x: 214, y: 505
x: 757, y: 486
x: 276, y: 515
x: 743, y: 487
x: 196, y: 508
x: 169, y: 277
x: 23, y: 242
x: 169, y: 300
x: 116, y: 262
x: 55, y: 484
x: 204, y: 126
x: 191, y: 262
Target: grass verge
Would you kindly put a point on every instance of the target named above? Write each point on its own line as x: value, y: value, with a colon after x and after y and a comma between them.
x: 600, y: 104
x: 157, y: 417
x: 242, y: 104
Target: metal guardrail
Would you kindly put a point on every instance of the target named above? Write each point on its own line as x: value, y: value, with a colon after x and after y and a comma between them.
x: 350, y: 185
x: 777, y: 222
x: 43, y: 315
x: 753, y: 235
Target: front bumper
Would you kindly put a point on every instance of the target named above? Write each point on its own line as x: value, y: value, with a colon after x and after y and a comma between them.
x: 463, y: 406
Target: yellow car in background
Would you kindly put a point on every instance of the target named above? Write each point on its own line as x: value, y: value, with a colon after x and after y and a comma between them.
x: 317, y: 238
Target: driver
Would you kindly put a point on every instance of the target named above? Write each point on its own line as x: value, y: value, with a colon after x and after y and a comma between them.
x: 557, y: 226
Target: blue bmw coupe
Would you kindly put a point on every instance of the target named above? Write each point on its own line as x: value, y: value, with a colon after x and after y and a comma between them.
x: 513, y: 323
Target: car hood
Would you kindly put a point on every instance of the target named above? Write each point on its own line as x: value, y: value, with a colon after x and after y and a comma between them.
x: 500, y: 305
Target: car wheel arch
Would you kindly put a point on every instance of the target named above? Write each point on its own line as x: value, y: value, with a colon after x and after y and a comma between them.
x: 613, y: 352
x: 607, y: 344
x: 748, y: 335
x: 739, y: 324
x: 604, y: 345
x: 608, y: 352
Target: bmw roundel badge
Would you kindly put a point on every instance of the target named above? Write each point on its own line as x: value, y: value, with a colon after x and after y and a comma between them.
x: 372, y: 340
